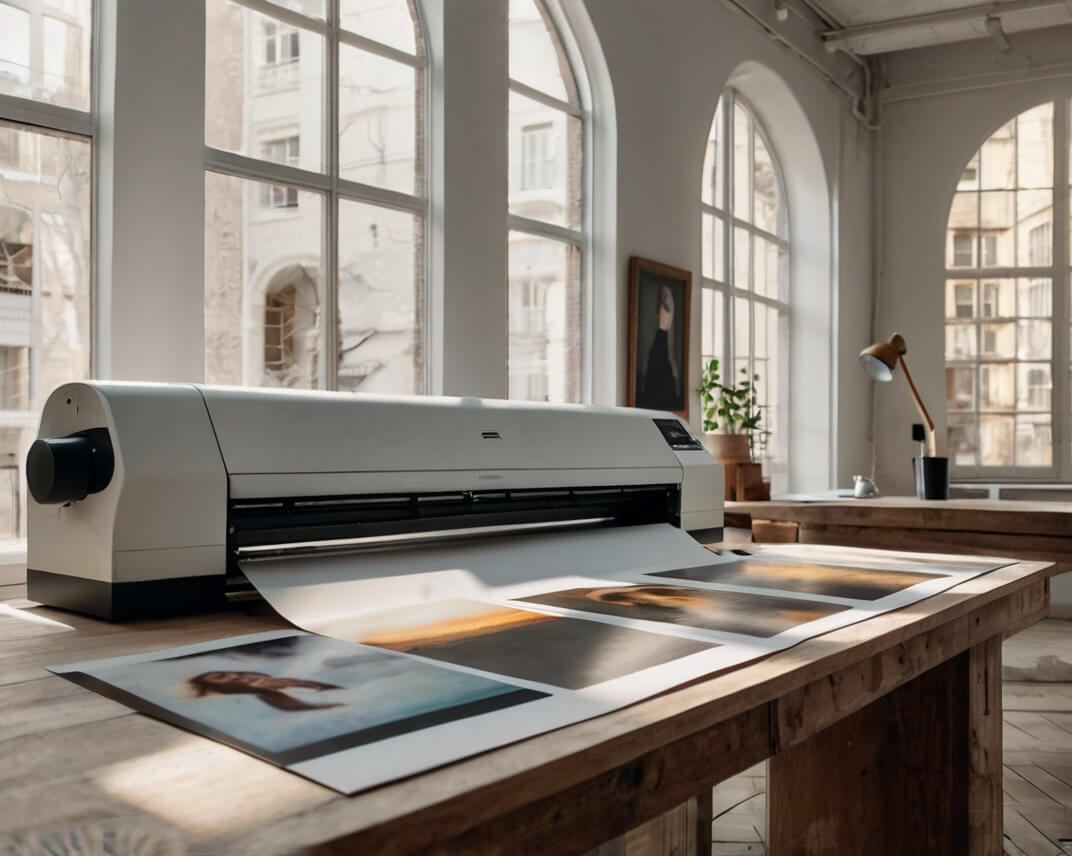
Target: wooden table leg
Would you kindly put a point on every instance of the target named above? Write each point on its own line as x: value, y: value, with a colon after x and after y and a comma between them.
x: 682, y: 831
x: 916, y: 771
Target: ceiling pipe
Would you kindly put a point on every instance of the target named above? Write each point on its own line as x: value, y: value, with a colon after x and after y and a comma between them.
x: 836, y: 38
x: 993, y: 26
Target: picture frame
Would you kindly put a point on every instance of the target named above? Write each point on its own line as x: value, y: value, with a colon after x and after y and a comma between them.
x: 660, y: 299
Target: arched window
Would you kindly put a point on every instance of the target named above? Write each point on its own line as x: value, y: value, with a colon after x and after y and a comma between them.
x: 1006, y: 287
x: 548, y: 239
x: 745, y: 282
x: 315, y: 126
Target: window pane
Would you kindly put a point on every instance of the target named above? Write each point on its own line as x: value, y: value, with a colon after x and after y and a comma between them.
x: 742, y: 163
x: 1033, y: 340
x: 742, y: 340
x: 997, y: 298
x: 1034, y: 146
x: 544, y: 314
x: 58, y: 73
x: 996, y: 219
x: 712, y: 245
x: 708, y: 298
x: 263, y: 83
x: 995, y: 441
x: 262, y: 284
x: 1033, y: 298
x: 963, y: 440
x: 1034, y: 228
x: 1034, y: 441
x: 378, y: 139
x: 381, y: 299
x: 765, y: 189
x: 960, y: 388
x: 996, y: 386
x: 742, y: 258
x: 388, y: 21
x: 960, y: 298
x: 545, y: 163
x: 969, y: 177
x: 45, y: 182
x: 962, y: 230
x: 536, y: 56
x: 997, y: 159
x: 770, y: 276
x: 998, y: 340
x: 1034, y: 385
x: 959, y: 341
x: 713, y: 327
x: 711, y: 190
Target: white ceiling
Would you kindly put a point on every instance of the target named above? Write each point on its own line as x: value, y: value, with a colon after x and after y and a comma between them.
x: 1016, y: 18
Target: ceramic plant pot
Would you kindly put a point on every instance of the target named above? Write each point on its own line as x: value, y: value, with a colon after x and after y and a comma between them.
x: 729, y: 450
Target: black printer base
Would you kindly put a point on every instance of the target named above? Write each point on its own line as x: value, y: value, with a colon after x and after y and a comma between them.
x: 127, y: 601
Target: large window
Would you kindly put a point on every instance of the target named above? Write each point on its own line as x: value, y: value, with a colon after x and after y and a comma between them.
x: 1007, y: 303
x: 745, y: 282
x: 45, y: 210
x: 314, y: 194
x: 548, y: 240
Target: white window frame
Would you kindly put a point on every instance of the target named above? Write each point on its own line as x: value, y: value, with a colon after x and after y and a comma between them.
x: 724, y: 289
x: 329, y: 184
x: 581, y: 238
x: 46, y: 117
x: 1057, y: 272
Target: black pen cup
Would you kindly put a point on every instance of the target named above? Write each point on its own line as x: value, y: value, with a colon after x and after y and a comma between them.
x: 932, y: 478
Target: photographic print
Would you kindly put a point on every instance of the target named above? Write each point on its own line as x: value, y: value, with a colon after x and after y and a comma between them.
x: 564, y: 652
x: 296, y: 697
x: 659, y: 301
x: 804, y: 577
x: 730, y: 612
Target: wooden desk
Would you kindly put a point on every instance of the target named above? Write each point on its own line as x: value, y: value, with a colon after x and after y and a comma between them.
x: 1039, y: 531
x: 884, y: 737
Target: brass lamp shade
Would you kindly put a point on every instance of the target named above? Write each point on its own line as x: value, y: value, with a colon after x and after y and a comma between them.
x: 881, y: 358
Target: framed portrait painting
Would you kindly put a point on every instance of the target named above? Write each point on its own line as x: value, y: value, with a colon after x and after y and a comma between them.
x: 659, y: 300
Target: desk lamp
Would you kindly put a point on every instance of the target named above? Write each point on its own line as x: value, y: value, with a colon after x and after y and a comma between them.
x: 880, y: 360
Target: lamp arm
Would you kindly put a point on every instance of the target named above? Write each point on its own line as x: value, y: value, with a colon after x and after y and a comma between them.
x: 932, y: 449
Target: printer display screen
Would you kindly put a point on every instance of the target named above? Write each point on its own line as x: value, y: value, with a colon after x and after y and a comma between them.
x: 677, y: 435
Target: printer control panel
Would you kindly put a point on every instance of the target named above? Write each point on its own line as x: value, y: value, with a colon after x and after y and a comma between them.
x: 677, y: 435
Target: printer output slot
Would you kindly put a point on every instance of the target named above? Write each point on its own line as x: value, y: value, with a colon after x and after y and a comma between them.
x: 346, y: 521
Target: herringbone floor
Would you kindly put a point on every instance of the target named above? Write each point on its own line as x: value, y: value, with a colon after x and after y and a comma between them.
x: 1037, y: 754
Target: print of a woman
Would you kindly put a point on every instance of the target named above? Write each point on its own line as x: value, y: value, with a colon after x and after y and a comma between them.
x: 265, y: 687
x: 660, y: 388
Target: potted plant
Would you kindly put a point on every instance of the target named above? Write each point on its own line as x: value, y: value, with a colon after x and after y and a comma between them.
x: 731, y: 414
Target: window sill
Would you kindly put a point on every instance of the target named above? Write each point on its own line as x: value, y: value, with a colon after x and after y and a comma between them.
x: 1031, y: 491
x: 13, y: 562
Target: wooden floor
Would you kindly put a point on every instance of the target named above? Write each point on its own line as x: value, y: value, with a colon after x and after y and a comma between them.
x: 1038, y: 756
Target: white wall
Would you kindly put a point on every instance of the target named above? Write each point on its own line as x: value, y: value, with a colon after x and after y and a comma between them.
x: 668, y: 70
x: 941, y: 105
x: 665, y: 70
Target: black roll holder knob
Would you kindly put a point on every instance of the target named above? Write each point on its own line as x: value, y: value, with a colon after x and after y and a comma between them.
x: 67, y: 469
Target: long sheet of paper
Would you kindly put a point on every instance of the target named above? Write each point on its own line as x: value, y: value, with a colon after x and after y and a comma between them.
x: 430, y: 654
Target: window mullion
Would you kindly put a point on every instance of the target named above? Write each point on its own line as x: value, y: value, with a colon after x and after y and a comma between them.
x: 726, y: 156
x: 1061, y: 398
x: 329, y: 376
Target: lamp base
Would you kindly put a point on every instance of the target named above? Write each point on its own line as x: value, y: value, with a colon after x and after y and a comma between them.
x: 932, y: 478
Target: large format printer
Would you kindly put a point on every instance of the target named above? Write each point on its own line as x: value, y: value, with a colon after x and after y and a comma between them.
x: 145, y: 497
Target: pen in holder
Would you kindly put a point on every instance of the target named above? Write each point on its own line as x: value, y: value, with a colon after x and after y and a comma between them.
x: 932, y: 473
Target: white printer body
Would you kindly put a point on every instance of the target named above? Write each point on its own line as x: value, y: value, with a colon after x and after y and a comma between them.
x: 145, y: 496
